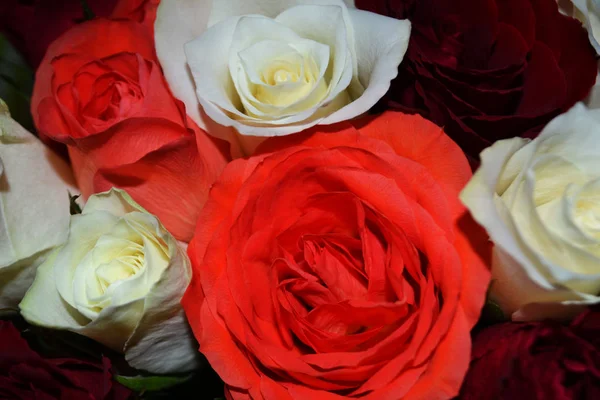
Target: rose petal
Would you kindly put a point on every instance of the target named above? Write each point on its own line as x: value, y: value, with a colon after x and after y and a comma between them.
x: 34, y: 207
x: 224, y: 9
x: 177, y: 167
x: 43, y: 304
x: 177, y: 23
x: 162, y: 342
x: 330, y: 26
x: 380, y: 47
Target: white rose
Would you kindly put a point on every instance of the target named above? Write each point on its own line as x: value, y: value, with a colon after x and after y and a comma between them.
x: 119, y: 280
x: 34, y: 207
x: 275, y: 68
x: 540, y: 203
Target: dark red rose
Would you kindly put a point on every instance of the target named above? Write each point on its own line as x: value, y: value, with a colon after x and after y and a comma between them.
x: 24, y: 374
x: 489, y: 69
x: 542, y: 360
x: 32, y: 25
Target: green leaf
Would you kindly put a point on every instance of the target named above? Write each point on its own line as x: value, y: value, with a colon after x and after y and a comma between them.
x: 16, y: 83
x: 142, y: 384
x: 9, y: 53
x: 492, y: 313
x: 74, y: 208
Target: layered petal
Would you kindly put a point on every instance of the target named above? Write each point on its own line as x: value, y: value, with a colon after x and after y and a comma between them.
x: 34, y: 207
x: 489, y: 70
x: 226, y: 90
x: 530, y: 197
x: 313, y: 274
x: 118, y: 280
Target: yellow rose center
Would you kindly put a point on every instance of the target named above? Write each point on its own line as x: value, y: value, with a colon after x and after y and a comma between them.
x: 127, y: 262
x: 290, y: 79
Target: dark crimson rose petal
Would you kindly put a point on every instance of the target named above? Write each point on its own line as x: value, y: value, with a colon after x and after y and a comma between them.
x: 488, y: 69
x: 26, y: 375
x: 33, y: 24
x: 101, y: 91
x: 339, y: 263
x: 541, y: 360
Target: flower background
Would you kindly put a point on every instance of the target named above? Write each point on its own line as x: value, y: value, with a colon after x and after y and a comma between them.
x: 487, y: 70
x: 88, y: 81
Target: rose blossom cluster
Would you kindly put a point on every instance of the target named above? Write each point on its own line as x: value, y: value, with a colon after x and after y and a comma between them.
x: 285, y: 190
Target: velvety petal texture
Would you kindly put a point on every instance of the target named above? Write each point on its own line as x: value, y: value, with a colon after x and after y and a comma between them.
x: 489, y: 69
x: 32, y: 25
x: 34, y: 207
x: 119, y: 280
x: 540, y: 203
x: 542, y: 360
x: 101, y: 91
x: 340, y: 264
x: 26, y: 375
x: 276, y: 68
x: 142, y: 11
x: 588, y: 12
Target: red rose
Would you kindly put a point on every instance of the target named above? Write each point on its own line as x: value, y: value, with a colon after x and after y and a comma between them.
x: 25, y: 375
x: 337, y: 265
x: 100, y: 90
x: 489, y: 69
x: 543, y: 360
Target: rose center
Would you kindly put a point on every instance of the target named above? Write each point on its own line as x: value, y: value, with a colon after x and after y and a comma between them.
x: 276, y: 79
x: 120, y: 268
x: 282, y: 76
x: 289, y: 80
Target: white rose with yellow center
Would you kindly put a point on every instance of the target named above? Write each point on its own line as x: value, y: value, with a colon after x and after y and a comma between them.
x: 275, y: 68
x: 540, y: 203
x: 119, y: 280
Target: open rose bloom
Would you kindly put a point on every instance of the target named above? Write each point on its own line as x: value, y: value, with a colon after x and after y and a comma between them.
x: 304, y: 199
x: 340, y: 265
x: 540, y: 203
x: 276, y: 68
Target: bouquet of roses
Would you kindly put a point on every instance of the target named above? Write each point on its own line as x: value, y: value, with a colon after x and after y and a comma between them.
x: 301, y: 199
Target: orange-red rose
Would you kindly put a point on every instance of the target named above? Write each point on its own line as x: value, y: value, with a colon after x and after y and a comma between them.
x: 100, y: 90
x: 340, y: 264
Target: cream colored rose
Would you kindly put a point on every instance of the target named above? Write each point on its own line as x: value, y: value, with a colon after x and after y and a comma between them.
x: 275, y: 68
x: 34, y: 207
x: 540, y: 203
x: 119, y: 280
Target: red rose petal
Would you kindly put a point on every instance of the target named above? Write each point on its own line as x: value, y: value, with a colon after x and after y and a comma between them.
x: 545, y: 86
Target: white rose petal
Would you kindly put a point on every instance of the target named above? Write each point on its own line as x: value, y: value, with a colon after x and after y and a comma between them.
x: 276, y: 68
x: 540, y: 203
x: 34, y: 207
x: 119, y: 280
